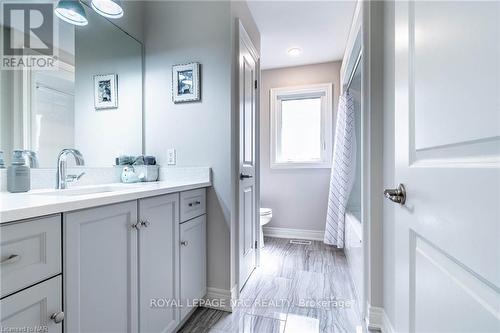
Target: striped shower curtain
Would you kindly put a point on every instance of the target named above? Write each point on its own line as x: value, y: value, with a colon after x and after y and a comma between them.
x: 342, y: 172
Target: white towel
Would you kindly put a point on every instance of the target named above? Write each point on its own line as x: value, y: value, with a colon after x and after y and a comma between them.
x: 343, y: 172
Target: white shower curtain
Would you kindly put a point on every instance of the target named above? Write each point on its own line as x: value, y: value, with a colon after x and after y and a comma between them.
x: 342, y: 173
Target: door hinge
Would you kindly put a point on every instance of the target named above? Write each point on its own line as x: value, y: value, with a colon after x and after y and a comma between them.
x: 255, y: 84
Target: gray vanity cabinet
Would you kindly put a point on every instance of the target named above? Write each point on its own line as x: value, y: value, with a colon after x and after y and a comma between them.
x: 34, y: 308
x: 193, y: 261
x: 158, y: 263
x: 125, y: 267
x: 30, y: 270
x: 100, y: 269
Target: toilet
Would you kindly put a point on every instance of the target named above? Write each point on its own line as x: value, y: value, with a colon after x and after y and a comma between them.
x: 266, y: 214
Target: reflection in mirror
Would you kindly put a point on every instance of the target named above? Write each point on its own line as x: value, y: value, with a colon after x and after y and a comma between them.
x: 48, y: 110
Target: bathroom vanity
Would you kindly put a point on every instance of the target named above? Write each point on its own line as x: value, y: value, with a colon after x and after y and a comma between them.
x: 98, y: 258
x: 113, y: 258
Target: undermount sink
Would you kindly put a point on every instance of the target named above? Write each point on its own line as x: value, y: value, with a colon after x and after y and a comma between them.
x: 85, y: 190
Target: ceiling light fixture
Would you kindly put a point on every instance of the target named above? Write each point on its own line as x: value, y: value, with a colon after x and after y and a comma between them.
x: 72, y: 12
x: 294, y: 51
x: 108, y: 8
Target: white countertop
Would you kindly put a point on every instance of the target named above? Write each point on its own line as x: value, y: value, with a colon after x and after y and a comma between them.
x: 19, y: 206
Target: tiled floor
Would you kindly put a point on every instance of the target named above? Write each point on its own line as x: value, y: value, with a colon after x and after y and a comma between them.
x: 297, y: 288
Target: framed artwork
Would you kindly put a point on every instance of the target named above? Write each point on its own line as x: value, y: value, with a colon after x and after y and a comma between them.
x: 186, y: 83
x: 106, y: 91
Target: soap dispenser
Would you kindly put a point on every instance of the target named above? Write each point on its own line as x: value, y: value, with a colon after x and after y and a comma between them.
x: 18, y: 174
x: 2, y: 162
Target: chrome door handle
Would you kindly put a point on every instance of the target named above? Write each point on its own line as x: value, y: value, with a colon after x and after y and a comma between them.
x: 137, y: 225
x: 145, y: 223
x: 57, y: 317
x: 397, y: 195
x: 184, y: 243
x: 10, y: 259
x: 243, y: 176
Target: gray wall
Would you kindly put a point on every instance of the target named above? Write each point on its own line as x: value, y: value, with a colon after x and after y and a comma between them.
x: 389, y: 228
x: 177, y: 33
x: 96, y: 50
x: 298, y: 197
x: 132, y: 19
x: 373, y: 43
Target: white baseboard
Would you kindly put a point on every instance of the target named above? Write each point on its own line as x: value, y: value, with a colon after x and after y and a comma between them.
x: 377, y: 319
x: 219, y: 299
x: 294, y: 233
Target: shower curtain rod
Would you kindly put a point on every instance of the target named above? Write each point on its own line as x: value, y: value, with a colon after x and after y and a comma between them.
x: 356, y: 64
x: 42, y: 86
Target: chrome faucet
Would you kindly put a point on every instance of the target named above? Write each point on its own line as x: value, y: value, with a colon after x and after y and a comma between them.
x: 62, y: 178
x: 31, y: 157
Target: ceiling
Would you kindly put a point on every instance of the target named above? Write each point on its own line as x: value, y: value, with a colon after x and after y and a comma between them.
x: 319, y: 28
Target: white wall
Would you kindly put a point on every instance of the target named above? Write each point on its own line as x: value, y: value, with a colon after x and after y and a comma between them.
x: 177, y: 33
x: 298, y: 197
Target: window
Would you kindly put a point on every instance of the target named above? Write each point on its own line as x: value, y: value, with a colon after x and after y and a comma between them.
x: 301, y: 127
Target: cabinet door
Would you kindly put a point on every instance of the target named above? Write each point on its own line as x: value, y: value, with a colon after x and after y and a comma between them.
x: 158, y: 263
x: 193, y: 261
x: 30, y: 310
x: 100, y: 267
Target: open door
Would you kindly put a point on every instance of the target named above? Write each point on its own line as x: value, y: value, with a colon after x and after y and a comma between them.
x: 248, y: 59
x: 447, y: 156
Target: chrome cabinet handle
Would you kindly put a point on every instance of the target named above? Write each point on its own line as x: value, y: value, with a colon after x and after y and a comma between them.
x: 184, y: 243
x: 243, y: 176
x: 137, y: 225
x: 145, y: 223
x: 191, y: 204
x: 10, y: 259
x: 57, y: 317
x: 397, y: 195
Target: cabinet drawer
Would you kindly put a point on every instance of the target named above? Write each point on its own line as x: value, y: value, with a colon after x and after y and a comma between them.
x: 32, y: 308
x: 30, y: 251
x: 193, y: 204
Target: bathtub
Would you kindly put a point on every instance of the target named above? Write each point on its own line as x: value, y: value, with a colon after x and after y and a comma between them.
x: 354, y: 251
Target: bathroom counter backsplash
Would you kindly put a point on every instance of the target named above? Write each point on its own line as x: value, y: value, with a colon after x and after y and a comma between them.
x: 46, y: 178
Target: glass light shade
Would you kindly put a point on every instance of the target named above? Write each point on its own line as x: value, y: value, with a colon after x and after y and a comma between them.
x: 108, y: 8
x: 294, y: 51
x: 71, y: 11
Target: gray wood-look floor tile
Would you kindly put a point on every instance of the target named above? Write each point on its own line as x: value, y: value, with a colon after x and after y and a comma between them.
x: 316, y: 273
x: 240, y: 321
x: 273, y: 298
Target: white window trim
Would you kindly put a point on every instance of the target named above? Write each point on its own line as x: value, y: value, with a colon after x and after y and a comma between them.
x: 325, y: 91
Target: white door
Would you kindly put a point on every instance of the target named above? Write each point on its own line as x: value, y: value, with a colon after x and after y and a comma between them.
x: 158, y: 262
x: 193, y: 265
x: 247, y: 199
x: 447, y: 154
x: 100, y: 269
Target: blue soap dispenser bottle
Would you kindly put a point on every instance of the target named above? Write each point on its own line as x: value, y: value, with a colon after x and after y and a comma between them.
x: 18, y: 174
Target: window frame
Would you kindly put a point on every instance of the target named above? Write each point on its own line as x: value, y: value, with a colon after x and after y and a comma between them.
x: 325, y: 92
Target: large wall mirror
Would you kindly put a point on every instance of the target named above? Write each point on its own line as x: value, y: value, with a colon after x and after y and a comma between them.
x: 75, y: 106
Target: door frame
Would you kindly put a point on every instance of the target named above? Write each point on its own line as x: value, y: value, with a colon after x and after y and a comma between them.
x: 372, y: 28
x: 367, y: 27
x: 354, y: 56
x: 244, y: 38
